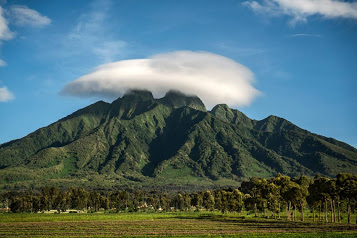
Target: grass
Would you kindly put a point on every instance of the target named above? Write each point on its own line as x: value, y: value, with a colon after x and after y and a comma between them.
x: 174, y: 224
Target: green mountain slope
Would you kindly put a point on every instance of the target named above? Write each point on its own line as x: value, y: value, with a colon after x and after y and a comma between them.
x: 141, y: 141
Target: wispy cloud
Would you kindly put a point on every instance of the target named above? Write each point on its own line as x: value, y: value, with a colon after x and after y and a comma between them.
x: 22, y: 16
x: 6, y: 95
x: 5, y: 33
x: 2, y: 63
x: 300, y: 10
x: 214, y: 78
x: 304, y: 35
x: 92, y: 34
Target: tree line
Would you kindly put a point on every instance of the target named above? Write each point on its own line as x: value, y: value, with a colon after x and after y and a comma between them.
x: 280, y: 196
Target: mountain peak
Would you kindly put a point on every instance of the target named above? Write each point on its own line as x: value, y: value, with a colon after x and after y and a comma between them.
x: 142, y: 95
x: 273, y: 123
x: 176, y: 99
x: 223, y: 112
x: 175, y: 93
x: 220, y: 107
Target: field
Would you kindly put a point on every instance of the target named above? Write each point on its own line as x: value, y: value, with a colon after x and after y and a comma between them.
x: 189, y: 224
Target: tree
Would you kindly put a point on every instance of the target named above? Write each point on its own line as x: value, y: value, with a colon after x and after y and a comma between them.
x: 94, y: 200
x: 236, y: 200
x: 333, y: 192
x: 208, y: 200
x: 255, y: 187
x: 16, y: 205
x: 218, y: 201
x: 347, y: 184
x: 104, y: 202
x: 273, y: 198
x: 322, y: 186
x: 78, y: 198
x: 288, y: 191
x: 298, y: 195
x: 197, y: 200
x: 283, y: 183
x: 301, y: 193
x: 314, y: 198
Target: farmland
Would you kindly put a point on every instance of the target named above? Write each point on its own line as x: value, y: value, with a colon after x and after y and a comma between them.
x: 172, y: 224
x: 278, y: 207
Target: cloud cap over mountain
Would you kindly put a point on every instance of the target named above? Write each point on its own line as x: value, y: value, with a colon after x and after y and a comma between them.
x: 213, y: 78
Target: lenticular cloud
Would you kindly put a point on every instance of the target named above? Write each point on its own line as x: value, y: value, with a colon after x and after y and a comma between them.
x: 214, y: 78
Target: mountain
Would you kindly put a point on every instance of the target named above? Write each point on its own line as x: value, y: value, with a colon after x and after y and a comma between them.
x: 140, y: 141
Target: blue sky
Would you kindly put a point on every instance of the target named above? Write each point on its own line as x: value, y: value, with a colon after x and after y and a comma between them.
x: 302, y: 54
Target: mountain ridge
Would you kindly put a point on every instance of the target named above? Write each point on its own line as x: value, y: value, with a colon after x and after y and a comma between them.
x: 138, y: 140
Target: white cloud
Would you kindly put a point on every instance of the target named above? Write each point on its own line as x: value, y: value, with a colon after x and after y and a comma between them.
x: 214, y: 78
x: 2, y: 63
x: 300, y: 10
x: 92, y: 33
x: 6, y: 95
x: 22, y: 16
x: 5, y: 33
x: 304, y: 35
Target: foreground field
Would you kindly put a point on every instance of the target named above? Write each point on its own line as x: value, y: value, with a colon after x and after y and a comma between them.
x: 162, y: 224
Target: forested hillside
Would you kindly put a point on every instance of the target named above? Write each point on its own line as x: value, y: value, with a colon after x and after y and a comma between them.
x: 139, y: 141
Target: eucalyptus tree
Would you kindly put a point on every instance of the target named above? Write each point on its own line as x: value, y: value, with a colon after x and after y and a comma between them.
x: 273, y: 198
x: 334, y: 193
x: 208, y: 200
x: 164, y: 201
x: 347, y: 184
x: 233, y: 200
x: 289, y: 196
x: 256, y: 188
x: 183, y: 201
x: 283, y: 183
x: 314, y: 199
x: 197, y: 200
x: 298, y: 196
x: 218, y: 201
x: 62, y: 201
x: 225, y: 200
x: 80, y: 196
x: 94, y: 200
x: 322, y: 187
x: 48, y: 197
x: 104, y: 202
x: 302, y: 192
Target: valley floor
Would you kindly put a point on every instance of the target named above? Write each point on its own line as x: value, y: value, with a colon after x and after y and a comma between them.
x: 175, y: 224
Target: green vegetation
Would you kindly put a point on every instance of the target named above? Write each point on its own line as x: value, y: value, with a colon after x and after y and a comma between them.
x: 141, y: 142
x: 268, y: 198
x: 277, y: 207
